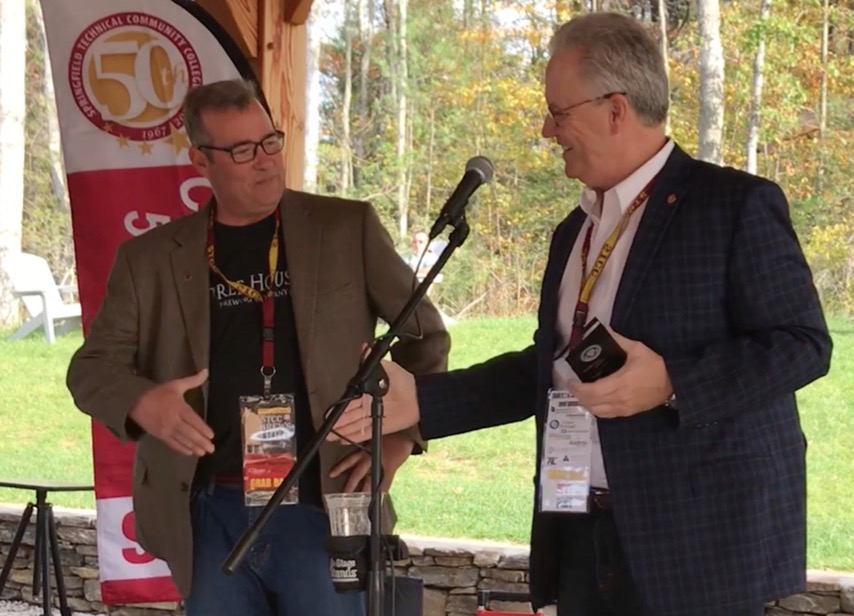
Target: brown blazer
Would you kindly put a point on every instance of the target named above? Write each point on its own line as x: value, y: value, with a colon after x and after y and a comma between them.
x: 154, y: 326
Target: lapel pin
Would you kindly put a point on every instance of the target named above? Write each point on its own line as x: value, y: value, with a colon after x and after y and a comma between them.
x: 671, y: 199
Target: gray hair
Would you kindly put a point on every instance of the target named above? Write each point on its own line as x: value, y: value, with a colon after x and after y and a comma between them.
x: 619, y: 55
x: 217, y: 96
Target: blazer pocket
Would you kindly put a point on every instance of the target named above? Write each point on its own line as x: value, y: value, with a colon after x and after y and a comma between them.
x: 140, y: 473
x: 734, y: 475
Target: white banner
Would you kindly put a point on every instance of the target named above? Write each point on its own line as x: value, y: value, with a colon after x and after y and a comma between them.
x: 121, y: 69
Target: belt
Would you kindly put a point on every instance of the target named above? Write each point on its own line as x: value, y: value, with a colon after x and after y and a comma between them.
x: 233, y: 480
x: 600, y: 499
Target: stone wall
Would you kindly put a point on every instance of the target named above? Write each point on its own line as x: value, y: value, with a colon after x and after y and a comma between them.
x: 453, y: 572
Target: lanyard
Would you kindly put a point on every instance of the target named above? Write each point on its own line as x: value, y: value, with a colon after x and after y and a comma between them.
x: 268, y: 368
x: 589, y: 280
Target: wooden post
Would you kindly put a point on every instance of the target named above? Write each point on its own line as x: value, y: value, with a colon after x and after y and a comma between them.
x: 282, y: 57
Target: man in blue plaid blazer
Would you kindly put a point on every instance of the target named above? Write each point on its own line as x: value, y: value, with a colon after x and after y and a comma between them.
x: 701, y: 506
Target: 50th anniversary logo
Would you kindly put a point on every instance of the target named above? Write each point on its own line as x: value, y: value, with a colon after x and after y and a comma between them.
x: 129, y: 73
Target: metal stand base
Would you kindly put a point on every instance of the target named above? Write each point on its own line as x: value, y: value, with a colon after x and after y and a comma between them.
x: 47, y: 547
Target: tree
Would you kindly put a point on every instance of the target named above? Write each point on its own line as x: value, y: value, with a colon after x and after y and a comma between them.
x: 57, y: 168
x: 756, y: 90
x: 662, y: 27
x: 822, y: 106
x: 472, y: 85
x: 312, y: 97
x: 663, y: 43
x: 13, y: 49
x: 366, y: 42
x: 400, y: 51
x: 711, y: 121
x: 346, y: 142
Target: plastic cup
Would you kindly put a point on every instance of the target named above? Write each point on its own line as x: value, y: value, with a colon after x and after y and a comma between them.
x: 348, y: 513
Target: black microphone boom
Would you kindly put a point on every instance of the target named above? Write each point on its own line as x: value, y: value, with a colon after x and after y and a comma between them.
x: 478, y: 171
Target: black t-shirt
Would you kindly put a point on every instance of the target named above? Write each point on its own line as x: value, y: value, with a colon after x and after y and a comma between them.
x: 242, y: 254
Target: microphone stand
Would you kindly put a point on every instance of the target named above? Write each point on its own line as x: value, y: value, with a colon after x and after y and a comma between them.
x: 371, y: 379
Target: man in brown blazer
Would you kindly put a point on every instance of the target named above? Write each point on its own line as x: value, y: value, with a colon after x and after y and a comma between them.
x: 263, y: 281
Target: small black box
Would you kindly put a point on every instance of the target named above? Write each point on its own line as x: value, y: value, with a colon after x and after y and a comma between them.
x: 597, y: 355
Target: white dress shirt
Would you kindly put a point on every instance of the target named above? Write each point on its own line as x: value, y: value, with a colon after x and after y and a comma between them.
x: 603, y: 217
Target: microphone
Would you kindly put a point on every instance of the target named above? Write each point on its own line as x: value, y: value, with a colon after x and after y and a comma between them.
x: 478, y: 171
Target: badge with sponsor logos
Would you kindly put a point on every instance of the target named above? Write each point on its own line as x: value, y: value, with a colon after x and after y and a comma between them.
x: 567, y: 455
x: 268, y: 429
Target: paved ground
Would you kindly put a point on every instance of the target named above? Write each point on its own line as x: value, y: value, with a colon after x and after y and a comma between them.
x: 15, y: 608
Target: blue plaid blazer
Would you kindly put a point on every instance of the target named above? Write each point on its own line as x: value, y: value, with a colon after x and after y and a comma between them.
x: 709, y: 500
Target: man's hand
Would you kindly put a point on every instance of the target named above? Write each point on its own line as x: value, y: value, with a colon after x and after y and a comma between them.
x: 163, y: 413
x: 396, y: 449
x: 400, y: 408
x: 640, y: 385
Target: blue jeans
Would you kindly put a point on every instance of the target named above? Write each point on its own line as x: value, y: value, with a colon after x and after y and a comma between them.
x: 285, y: 573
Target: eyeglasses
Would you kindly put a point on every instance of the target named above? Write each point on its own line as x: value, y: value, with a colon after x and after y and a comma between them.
x: 245, y: 151
x: 560, y: 114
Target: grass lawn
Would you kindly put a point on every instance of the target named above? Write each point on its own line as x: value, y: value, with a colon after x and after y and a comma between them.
x: 476, y: 485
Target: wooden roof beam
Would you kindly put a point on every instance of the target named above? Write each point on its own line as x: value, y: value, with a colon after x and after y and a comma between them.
x: 240, y: 20
x: 296, y: 11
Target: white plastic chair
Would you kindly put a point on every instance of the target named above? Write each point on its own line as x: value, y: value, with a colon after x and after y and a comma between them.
x: 32, y: 282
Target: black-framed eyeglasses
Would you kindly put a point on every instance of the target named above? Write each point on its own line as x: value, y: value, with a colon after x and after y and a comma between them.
x: 245, y: 151
x: 560, y: 114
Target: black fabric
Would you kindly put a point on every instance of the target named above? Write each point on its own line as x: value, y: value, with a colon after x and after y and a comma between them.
x: 594, y: 578
x: 242, y: 254
x: 404, y: 596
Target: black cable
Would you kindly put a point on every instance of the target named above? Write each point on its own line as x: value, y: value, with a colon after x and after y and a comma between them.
x: 390, y: 557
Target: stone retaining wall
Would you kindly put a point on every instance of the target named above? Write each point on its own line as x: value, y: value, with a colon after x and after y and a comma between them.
x: 453, y: 571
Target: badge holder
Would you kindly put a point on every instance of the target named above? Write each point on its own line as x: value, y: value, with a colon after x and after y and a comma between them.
x: 268, y: 431
x: 369, y: 379
x: 566, y: 462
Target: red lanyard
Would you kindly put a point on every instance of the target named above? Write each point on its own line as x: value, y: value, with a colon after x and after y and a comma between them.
x: 268, y: 368
x: 588, y: 282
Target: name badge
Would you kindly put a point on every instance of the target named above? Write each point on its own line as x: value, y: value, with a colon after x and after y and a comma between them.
x: 269, y: 446
x: 567, y: 455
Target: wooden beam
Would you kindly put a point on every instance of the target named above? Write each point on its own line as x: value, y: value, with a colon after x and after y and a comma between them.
x: 240, y: 20
x: 296, y: 11
x: 282, y: 56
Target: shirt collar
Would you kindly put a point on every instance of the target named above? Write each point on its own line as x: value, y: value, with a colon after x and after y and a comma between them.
x: 625, y: 192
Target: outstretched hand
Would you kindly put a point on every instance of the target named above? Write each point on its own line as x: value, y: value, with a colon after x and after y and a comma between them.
x: 400, y: 408
x: 396, y: 449
x: 163, y: 413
